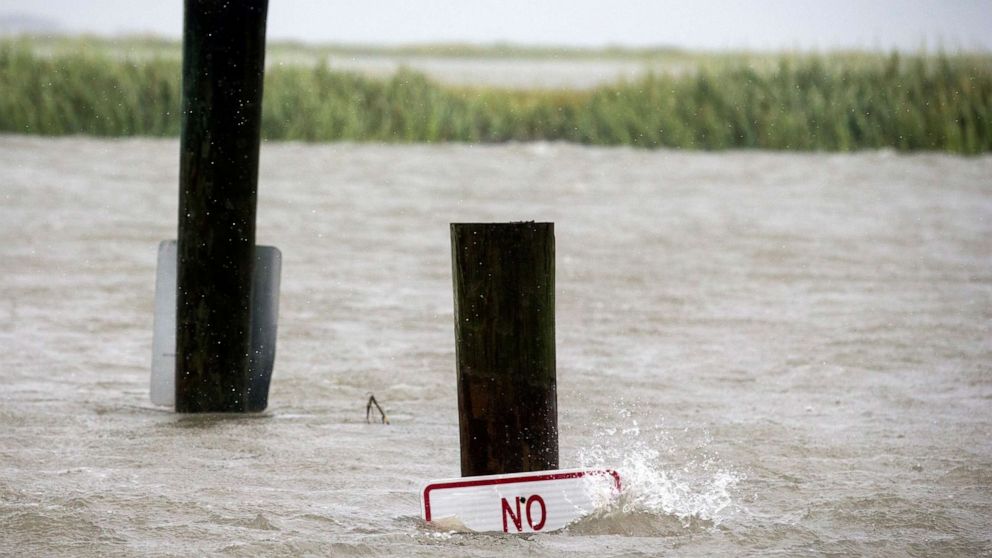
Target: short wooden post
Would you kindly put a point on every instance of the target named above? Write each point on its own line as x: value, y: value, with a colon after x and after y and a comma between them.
x: 504, y: 282
x: 223, y: 65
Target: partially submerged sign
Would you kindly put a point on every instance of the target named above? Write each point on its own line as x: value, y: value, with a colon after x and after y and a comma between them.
x: 264, y: 314
x: 521, y: 502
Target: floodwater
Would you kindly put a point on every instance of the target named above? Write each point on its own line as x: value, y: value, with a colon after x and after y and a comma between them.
x: 782, y: 354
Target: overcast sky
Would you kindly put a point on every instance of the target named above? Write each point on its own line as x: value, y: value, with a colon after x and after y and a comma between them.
x: 754, y: 24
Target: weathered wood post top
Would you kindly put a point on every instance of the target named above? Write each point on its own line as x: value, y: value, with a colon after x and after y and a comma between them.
x: 504, y: 291
x: 223, y: 65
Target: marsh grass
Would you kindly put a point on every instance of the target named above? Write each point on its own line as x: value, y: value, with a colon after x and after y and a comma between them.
x: 837, y: 102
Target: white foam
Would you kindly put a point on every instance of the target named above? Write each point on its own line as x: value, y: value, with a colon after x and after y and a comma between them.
x: 699, y: 489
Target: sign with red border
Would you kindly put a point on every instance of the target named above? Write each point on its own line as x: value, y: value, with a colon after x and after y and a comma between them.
x: 521, y: 502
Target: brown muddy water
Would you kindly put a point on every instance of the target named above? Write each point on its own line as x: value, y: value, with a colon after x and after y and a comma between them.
x: 783, y: 354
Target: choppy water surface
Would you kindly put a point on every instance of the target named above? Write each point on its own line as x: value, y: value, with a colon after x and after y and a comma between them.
x: 782, y: 354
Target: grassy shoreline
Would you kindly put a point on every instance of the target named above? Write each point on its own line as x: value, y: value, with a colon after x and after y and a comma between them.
x: 838, y: 102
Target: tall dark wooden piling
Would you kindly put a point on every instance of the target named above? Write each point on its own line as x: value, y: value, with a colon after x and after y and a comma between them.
x: 504, y: 282
x: 223, y: 65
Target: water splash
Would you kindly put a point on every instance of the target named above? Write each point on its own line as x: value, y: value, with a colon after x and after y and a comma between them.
x: 665, y: 487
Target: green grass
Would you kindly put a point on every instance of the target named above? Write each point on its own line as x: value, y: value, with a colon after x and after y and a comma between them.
x: 836, y: 102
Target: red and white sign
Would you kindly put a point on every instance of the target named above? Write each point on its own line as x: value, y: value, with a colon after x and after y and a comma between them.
x: 521, y: 502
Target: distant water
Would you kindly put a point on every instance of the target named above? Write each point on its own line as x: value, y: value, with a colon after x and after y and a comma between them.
x: 515, y: 73
x: 783, y: 354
